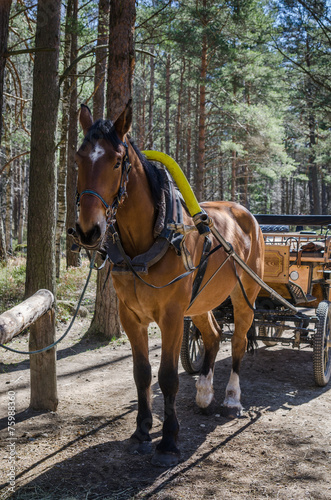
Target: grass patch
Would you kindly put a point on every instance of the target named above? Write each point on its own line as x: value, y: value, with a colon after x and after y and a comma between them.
x: 69, y: 285
x: 12, y: 282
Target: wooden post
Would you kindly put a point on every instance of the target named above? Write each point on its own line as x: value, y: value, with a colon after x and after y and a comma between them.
x: 36, y: 312
x: 20, y: 317
x: 43, y: 365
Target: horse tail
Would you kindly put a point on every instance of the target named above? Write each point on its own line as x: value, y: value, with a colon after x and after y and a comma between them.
x: 251, y: 339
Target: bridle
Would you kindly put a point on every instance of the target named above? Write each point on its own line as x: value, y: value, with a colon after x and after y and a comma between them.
x: 121, y: 193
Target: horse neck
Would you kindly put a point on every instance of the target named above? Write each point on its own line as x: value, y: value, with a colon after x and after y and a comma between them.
x: 136, y: 215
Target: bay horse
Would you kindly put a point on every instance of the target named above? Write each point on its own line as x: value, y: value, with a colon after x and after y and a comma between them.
x: 103, y: 179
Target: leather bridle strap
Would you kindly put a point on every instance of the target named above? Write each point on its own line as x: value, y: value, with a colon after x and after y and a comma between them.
x: 93, y: 193
x: 111, y: 210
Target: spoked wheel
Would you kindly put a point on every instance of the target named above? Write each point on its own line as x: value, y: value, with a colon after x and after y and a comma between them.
x: 322, y: 344
x: 192, y: 352
x: 271, y: 331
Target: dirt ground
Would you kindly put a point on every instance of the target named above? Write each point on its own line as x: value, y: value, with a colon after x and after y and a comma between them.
x: 279, y: 449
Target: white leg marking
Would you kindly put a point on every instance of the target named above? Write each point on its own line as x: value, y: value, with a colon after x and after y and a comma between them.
x: 232, y: 393
x: 205, y: 391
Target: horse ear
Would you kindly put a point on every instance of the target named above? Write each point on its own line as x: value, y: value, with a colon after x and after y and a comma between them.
x: 123, y: 123
x: 85, y: 118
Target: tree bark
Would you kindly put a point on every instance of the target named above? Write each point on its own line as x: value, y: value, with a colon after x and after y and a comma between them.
x: 121, y: 56
x: 202, y: 119
x: 4, y: 23
x: 9, y: 209
x: 3, y: 253
x: 22, y: 204
x: 179, y: 112
x: 314, y: 198
x: 40, y: 269
x: 189, y: 128
x: 101, y: 61
x: 233, y: 175
x: 150, y: 135
x: 167, y: 106
x: 120, y: 72
x: 63, y: 154
x: 73, y: 259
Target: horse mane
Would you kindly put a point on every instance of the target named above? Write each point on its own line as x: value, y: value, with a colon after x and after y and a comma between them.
x: 153, y: 174
x: 104, y: 129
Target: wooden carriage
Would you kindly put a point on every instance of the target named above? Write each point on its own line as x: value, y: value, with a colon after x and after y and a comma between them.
x: 297, y: 267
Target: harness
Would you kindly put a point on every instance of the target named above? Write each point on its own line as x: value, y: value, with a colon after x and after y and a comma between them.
x: 170, y: 214
x: 169, y: 231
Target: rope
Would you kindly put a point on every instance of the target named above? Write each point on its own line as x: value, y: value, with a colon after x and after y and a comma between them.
x: 71, y: 322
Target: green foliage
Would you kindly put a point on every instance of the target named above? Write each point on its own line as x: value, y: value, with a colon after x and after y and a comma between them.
x: 12, y: 281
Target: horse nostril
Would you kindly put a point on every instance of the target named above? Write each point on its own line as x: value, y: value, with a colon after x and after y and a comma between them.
x: 90, y: 237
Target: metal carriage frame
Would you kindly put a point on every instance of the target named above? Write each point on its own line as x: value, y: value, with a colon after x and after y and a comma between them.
x: 298, y: 269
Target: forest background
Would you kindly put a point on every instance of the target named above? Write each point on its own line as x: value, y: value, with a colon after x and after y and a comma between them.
x: 238, y: 92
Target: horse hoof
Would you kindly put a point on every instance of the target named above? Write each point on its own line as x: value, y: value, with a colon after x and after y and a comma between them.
x: 210, y: 409
x: 162, y: 459
x: 231, y: 412
x: 140, y: 448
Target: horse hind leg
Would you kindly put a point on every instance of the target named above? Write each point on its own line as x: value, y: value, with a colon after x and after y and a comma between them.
x: 243, y: 319
x: 210, y: 332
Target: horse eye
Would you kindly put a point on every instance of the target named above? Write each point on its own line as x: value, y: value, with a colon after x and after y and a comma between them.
x: 117, y: 164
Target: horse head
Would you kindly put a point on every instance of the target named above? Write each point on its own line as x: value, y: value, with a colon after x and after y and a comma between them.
x: 103, y: 166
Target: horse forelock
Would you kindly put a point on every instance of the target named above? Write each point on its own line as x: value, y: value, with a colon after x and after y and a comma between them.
x: 101, y: 129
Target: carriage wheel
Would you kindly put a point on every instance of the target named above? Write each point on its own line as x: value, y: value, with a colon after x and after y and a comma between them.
x: 192, y: 352
x: 271, y: 331
x: 322, y: 344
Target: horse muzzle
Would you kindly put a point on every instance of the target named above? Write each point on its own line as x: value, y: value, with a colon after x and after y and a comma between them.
x: 90, y: 239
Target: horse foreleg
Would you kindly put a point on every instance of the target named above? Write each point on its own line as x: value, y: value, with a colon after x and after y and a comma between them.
x: 137, y: 334
x: 167, y: 454
x: 210, y: 332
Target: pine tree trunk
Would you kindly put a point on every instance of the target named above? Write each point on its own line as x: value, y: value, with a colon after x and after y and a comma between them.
x: 3, y: 252
x: 63, y: 154
x: 119, y: 91
x: 150, y: 136
x: 101, y: 61
x: 315, y: 205
x: 196, y: 137
x: 73, y: 259
x: 221, y: 177
x: 22, y: 204
x: 189, y: 129
x: 167, y: 109
x: 233, y: 174
x: 121, y: 56
x: 40, y: 268
x: 202, y: 120
x: 4, y: 22
x: 179, y: 112
x: 9, y: 211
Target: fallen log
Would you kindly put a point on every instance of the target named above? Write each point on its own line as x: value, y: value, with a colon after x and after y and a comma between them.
x: 20, y: 317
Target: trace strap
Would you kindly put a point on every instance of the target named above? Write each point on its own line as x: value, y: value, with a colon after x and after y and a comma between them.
x: 126, y: 259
